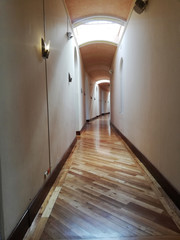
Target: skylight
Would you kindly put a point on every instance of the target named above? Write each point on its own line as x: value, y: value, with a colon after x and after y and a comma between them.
x: 99, y: 31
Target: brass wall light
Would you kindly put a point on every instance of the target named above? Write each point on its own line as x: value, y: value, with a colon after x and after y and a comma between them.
x: 45, y: 48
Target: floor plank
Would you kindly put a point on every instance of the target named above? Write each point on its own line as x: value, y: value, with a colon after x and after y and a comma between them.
x: 106, y: 193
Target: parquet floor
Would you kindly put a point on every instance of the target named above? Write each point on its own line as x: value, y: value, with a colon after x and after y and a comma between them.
x: 103, y: 192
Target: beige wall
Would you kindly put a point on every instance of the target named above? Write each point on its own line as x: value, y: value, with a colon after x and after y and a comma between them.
x: 63, y: 101
x: 23, y: 102
x: 105, y: 101
x: 145, y: 86
x: 79, y: 76
x: 97, y: 100
x: 23, y: 114
x: 92, y: 99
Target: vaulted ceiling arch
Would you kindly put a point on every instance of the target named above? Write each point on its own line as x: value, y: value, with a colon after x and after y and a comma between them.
x: 98, y: 55
x: 80, y: 9
x: 97, y: 59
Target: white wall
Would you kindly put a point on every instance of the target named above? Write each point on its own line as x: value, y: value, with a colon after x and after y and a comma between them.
x: 79, y: 77
x: 87, y: 97
x: 97, y: 100
x: 91, y: 99
x: 63, y: 102
x: 105, y: 101
x: 23, y: 113
x: 148, y: 112
x: 23, y: 102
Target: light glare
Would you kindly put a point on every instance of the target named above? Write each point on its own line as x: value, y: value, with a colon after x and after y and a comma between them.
x: 98, y: 31
x: 102, y: 81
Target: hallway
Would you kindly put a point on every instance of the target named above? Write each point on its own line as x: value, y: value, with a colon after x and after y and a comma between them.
x: 65, y: 65
x: 104, y: 192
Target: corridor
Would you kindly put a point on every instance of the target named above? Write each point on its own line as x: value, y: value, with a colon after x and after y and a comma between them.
x: 65, y: 65
x: 104, y: 192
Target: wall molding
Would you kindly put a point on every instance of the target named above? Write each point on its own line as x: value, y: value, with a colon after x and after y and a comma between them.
x: 82, y: 129
x: 29, y: 215
x: 102, y: 114
x: 163, y: 182
x: 91, y: 119
x: 105, y: 113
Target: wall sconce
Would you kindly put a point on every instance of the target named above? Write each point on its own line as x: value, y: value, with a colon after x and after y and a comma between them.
x: 110, y: 71
x: 69, y: 35
x: 45, y: 48
x: 69, y: 77
x: 140, y: 6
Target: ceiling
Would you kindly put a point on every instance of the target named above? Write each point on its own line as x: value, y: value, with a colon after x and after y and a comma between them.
x: 97, y: 59
x: 79, y: 9
x: 105, y: 86
x: 98, y: 56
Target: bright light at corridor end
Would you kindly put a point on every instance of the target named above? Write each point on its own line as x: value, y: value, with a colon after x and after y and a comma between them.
x: 102, y: 81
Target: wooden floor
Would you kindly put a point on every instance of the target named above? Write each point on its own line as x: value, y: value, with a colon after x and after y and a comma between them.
x: 103, y: 192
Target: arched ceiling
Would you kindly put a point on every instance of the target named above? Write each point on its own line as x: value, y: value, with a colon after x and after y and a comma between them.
x: 105, y: 86
x: 98, y: 56
x: 97, y: 59
x: 79, y: 9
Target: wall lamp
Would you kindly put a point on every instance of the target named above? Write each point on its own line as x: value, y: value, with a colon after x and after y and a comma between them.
x: 69, y: 77
x: 69, y: 35
x: 140, y: 6
x: 45, y: 48
x: 110, y: 71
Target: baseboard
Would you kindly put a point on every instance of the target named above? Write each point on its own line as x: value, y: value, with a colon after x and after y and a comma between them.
x: 91, y: 119
x: 164, y: 183
x: 102, y: 114
x: 82, y: 129
x: 21, y: 228
x: 28, y: 217
x: 105, y: 113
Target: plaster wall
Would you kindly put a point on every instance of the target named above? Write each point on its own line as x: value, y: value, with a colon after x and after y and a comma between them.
x: 91, y: 110
x: 145, y: 86
x: 64, y: 99
x: 79, y: 77
x: 23, y: 112
x: 24, y: 151
x: 93, y: 99
x: 87, y: 97
x: 97, y: 100
x: 105, y: 101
